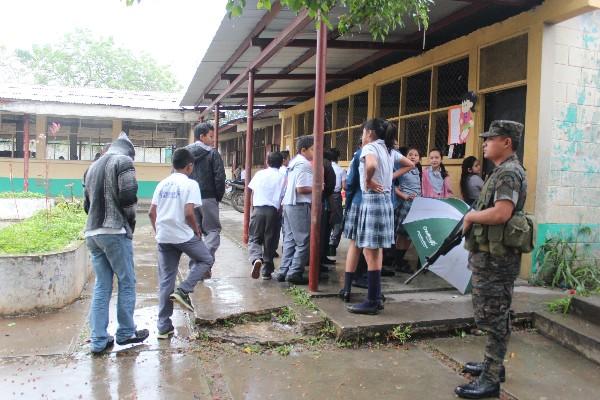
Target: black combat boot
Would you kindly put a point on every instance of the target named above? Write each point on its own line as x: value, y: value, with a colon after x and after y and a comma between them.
x: 481, y: 388
x: 476, y: 368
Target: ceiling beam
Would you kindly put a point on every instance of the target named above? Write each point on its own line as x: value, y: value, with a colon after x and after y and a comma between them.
x: 244, y: 107
x: 342, y: 44
x: 245, y: 45
x: 263, y: 95
x: 296, y: 26
x: 509, y: 3
x: 292, y: 77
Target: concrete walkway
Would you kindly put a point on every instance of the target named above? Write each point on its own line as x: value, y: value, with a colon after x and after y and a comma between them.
x: 46, y: 355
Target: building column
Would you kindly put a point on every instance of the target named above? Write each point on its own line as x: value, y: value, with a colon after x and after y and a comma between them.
x: 41, y: 131
x: 117, y: 127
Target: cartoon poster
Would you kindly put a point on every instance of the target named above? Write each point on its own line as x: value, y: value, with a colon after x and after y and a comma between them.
x: 460, y: 120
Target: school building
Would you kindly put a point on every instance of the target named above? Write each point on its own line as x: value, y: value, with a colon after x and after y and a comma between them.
x: 64, y: 129
x: 533, y: 61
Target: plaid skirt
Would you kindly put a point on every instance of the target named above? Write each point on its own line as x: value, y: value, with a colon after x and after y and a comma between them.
x: 400, y: 214
x: 351, y: 221
x: 375, y: 221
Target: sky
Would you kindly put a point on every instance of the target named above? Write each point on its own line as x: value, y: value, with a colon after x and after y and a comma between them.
x: 175, y: 32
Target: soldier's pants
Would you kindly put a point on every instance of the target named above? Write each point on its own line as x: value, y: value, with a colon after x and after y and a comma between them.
x: 493, y: 283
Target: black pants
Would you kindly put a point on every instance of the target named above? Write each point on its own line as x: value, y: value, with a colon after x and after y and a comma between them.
x: 264, y: 232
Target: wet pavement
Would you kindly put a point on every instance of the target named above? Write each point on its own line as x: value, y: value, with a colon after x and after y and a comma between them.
x: 232, y: 348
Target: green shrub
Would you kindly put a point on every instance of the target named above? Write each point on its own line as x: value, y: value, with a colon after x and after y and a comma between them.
x: 21, y: 195
x: 45, y: 231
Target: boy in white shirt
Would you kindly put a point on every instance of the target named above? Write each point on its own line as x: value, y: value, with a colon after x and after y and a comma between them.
x: 266, y: 186
x: 177, y: 231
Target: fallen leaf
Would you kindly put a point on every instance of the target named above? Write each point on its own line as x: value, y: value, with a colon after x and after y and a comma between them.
x: 12, y: 324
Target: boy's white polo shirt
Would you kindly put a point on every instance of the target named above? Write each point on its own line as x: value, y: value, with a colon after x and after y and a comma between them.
x: 267, y: 185
x: 170, y: 197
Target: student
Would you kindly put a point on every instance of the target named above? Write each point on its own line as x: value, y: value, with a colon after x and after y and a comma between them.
x: 337, y: 209
x: 296, y: 214
x: 436, y: 181
x: 266, y: 186
x: 329, y: 181
x: 470, y: 181
x: 375, y: 229
x: 110, y: 203
x: 209, y: 172
x: 172, y: 215
x: 286, y: 161
x: 409, y: 187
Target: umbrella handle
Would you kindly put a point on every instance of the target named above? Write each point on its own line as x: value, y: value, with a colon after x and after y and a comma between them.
x: 413, y: 276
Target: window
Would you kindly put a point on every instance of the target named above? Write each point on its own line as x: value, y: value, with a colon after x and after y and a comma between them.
x: 341, y: 143
x: 155, y: 142
x: 328, y: 117
x: 342, y: 114
x: 494, y: 68
x: 389, y: 100
x: 415, y: 132
x: 418, y: 92
x: 452, y: 82
x: 361, y: 108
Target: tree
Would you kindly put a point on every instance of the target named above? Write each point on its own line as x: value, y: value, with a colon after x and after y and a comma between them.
x: 81, y: 60
x: 11, y: 69
x: 379, y: 16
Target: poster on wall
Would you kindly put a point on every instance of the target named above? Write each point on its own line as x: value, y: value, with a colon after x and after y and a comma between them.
x: 460, y: 120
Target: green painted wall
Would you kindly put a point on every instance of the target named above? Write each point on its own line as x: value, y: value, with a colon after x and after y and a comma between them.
x: 589, y: 244
x: 62, y: 187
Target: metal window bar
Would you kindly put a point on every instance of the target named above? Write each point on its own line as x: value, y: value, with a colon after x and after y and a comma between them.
x: 452, y: 82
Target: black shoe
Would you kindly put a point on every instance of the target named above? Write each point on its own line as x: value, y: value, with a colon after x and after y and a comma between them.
x: 297, y: 279
x: 138, y: 337
x: 110, y: 342
x: 332, y: 251
x: 478, y: 390
x: 182, y: 298
x: 280, y: 277
x: 327, y: 261
x: 256, y: 266
x: 366, y: 307
x: 361, y: 282
x: 324, y: 268
x: 266, y: 276
x: 476, y: 368
x: 387, y: 272
x: 344, y: 295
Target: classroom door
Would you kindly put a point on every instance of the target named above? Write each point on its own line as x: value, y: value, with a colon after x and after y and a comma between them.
x: 506, y: 104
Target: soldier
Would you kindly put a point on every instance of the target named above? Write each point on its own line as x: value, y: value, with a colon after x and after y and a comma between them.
x: 493, y: 260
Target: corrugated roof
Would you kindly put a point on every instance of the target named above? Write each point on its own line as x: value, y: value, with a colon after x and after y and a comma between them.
x: 107, y: 97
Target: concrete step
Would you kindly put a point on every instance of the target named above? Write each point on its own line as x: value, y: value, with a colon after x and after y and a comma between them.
x: 587, y: 308
x: 571, y: 331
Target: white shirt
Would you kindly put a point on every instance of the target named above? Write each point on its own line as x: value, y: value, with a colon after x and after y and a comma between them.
x: 385, y: 164
x: 283, y: 170
x: 170, y: 197
x: 340, y: 175
x: 243, y: 175
x: 267, y: 185
x: 299, y: 175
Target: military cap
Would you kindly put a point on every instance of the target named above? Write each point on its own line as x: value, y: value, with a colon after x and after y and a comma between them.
x: 512, y: 129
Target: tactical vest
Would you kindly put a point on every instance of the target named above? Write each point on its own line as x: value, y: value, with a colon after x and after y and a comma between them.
x: 516, y: 235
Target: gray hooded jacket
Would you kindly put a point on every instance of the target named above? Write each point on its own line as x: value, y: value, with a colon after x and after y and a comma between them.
x: 111, y: 189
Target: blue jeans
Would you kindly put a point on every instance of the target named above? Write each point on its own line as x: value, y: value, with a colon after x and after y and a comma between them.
x: 111, y: 255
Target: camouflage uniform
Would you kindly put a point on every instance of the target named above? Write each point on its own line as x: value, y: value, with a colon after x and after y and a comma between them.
x: 494, y: 274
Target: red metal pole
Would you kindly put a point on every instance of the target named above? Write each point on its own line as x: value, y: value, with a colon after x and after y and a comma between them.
x: 315, y: 212
x: 249, y: 139
x: 217, y: 127
x: 26, y: 153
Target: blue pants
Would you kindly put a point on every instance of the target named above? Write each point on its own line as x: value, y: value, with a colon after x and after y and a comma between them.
x: 111, y: 255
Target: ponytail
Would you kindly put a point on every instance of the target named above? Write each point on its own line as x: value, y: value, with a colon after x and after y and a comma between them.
x: 384, y: 130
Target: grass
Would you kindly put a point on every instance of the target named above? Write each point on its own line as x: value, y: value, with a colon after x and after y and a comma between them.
x: 401, y: 333
x: 44, y: 232
x: 284, y: 350
x: 301, y: 298
x: 561, y: 305
x: 21, y: 195
x: 286, y: 316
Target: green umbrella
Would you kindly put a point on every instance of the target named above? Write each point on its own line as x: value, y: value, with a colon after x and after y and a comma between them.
x: 435, y: 228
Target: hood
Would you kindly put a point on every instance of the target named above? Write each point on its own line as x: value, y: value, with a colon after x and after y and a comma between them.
x: 197, y: 150
x: 122, y: 146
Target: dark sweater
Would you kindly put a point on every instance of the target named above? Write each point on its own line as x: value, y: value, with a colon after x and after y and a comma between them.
x: 209, y: 171
x: 111, y: 189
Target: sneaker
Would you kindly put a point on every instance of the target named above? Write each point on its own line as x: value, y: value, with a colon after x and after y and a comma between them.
x: 327, y: 261
x: 166, y: 334
x: 256, y: 265
x: 182, y: 298
x: 137, y: 337
x: 266, y: 276
x: 109, y: 344
x: 297, y: 279
x: 280, y: 277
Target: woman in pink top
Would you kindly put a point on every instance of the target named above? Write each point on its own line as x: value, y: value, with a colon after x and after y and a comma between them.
x: 436, y: 181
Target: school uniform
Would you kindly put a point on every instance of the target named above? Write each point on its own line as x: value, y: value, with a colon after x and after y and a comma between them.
x: 296, y: 218
x: 376, y: 214
x: 337, y: 209
x: 409, y: 183
x: 174, y: 237
x: 353, y: 198
x: 434, y: 185
x: 266, y: 186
